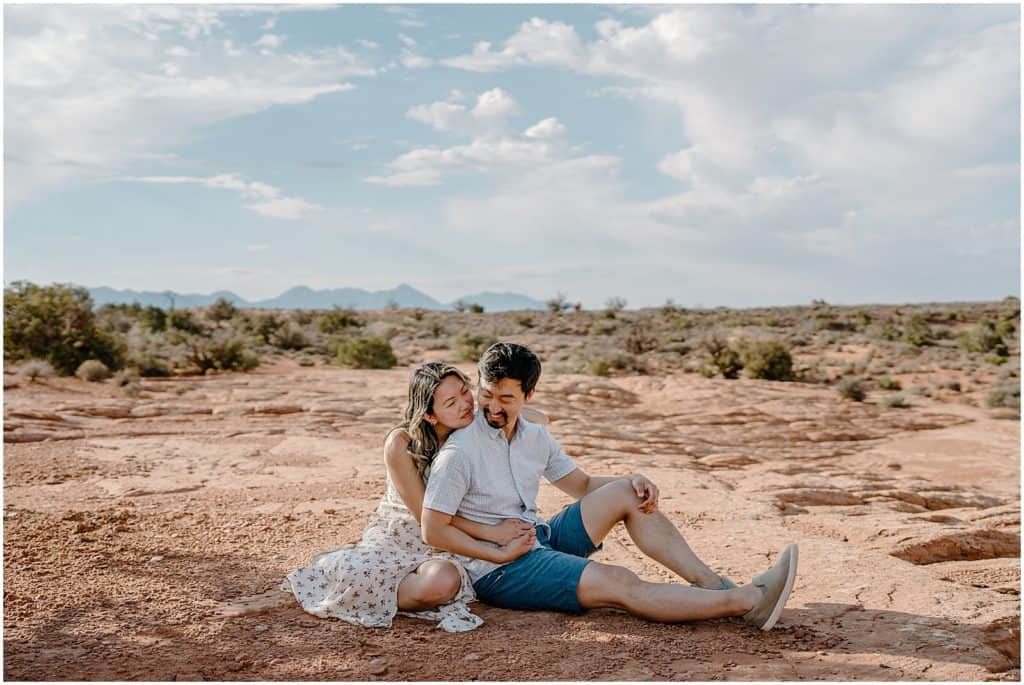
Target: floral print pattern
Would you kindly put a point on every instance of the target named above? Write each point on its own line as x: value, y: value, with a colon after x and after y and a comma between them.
x: 359, y: 583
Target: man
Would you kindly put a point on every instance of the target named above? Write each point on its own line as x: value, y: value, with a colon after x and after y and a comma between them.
x: 491, y: 470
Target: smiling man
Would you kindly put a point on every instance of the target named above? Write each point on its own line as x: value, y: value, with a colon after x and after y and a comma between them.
x: 491, y: 470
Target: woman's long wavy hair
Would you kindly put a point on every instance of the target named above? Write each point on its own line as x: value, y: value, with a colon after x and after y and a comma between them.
x: 425, y: 444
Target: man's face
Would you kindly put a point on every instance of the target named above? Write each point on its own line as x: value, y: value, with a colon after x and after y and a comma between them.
x: 501, y: 401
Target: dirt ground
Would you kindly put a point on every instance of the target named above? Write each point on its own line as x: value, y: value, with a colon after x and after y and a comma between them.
x: 133, y: 524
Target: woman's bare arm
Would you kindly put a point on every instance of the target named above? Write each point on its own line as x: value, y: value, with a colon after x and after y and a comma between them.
x: 411, y: 488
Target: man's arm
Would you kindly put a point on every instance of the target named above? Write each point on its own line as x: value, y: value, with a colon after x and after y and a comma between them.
x: 439, y: 531
x: 578, y: 484
x: 412, y: 490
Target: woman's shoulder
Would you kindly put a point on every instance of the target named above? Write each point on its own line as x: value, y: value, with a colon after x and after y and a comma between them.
x: 397, y: 440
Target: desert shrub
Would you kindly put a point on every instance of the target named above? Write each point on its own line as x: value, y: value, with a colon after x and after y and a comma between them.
x: 1005, y: 328
x: 884, y: 331
x: 37, y: 368
x: 56, y: 324
x: 336, y: 320
x: 459, y: 305
x: 476, y: 308
x: 887, y: 382
x: 221, y: 310
x: 984, y: 338
x: 182, y: 320
x: 92, y: 370
x: 599, y: 367
x: 851, y: 388
x: 153, y: 319
x: 766, y: 359
x: 639, y: 341
x: 264, y: 326
x: 615, y: 304
x: 366, y: 353
x: 126, y: 377
x: 917, y: 332
x: 893, y: 402
x: 558, y: 303
x: 289, y: 337
x: 949, y: 385
x: 436, y: 328
x: 603, y: 327
x: 526, y: 321
x: 721, y: 356
x: 1003, y: 396
x: 470, y: 347
x: 223, y: 351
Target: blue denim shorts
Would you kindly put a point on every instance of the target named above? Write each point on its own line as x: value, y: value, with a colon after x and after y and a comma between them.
x: 543, y: 579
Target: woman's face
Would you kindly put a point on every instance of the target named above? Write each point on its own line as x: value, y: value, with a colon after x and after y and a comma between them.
x: 453, y: 403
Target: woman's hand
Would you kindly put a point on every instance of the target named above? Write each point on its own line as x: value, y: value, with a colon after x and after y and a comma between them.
x: 646, y: 491
x: 517, y: 547
x: 508, y: 530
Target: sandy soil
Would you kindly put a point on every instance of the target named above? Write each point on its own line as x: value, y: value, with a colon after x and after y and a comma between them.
x: 132, y: 524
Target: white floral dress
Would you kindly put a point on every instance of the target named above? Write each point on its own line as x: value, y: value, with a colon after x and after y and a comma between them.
x: 359, y: 583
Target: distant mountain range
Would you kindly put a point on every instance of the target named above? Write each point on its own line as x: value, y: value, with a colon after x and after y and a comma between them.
x: 302, y: 297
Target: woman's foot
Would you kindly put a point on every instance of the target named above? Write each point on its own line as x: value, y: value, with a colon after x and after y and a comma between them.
x: 775, y: 584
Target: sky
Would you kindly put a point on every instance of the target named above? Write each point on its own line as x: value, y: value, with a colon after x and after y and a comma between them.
x: 736, y: 155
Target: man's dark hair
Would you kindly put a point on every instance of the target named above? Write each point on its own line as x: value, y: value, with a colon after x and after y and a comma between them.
x: 509, y: 360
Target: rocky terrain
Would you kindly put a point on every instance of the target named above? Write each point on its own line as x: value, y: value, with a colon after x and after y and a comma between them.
x: 136, y: 524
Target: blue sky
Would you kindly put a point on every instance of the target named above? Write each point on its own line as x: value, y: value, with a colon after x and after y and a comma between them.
x: 716, y: 155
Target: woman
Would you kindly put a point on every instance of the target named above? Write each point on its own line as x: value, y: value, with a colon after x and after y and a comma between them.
x: 391, y: 570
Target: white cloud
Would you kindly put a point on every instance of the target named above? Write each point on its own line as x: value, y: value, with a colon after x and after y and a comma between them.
x: 411, y: 60
x: 881, y: 130
x: 87, y: 87
x: 264, y: 199
x: 406, y: 40
x: 545, y: 129
x: 181, y: 51
x: 487, y: 117
x: 412, y: 23
x: 368, y: 44
x: 269, y: 41
x: 269, y: 24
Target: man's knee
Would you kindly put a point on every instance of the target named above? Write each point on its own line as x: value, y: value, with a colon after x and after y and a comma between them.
x: 605, y: 585
x: 438, y: 584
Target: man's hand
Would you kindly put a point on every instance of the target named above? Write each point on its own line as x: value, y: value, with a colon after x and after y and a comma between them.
x: 646, y: 491
x: 517, y: 547
x: 508, y: 530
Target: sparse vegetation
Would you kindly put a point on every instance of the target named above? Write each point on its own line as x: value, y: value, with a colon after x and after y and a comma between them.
x: 851, y: 389
x: 92, y: 370
x: 36, y: 369
x: 470, y: 347
x: 366, y: 353
x: 768, y: 360
x: 887, y: 382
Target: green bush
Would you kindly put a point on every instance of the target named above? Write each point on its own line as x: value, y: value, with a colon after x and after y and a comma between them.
x: 917, y: 332
x: 366, y: 353
x: 471, y: 347
x: 221, y: 310
x: 599, y: 367
x: 55, y: 323
x: 525, y: 321
x: 153, y: 319
x: 182, y: 320
x: 1004, y: 396
x: 984, y: 338
x: 337, y: 320
x: 92, y: 370
x: 604, y: 327
x: 887, y: 382
x: 893, y: 402
x: 221, y: 352
x: 638, y: 341
x: 768, y: 360
x: 721, y: 355
x: 851, y: 389
x: 476, y: 308
x: 289, y: 337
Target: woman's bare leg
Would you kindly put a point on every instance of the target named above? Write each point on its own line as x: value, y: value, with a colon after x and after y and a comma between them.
x: 432, y: 584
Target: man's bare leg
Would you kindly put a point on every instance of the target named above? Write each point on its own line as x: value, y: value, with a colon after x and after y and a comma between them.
x: 653, y: 533
x: 615, y: 587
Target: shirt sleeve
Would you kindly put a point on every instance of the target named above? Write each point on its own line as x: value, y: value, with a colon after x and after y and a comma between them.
x: 559, y: 464
x: 448, y: 482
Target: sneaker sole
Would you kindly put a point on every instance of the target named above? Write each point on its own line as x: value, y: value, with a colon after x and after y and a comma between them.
x: 784, y: 597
